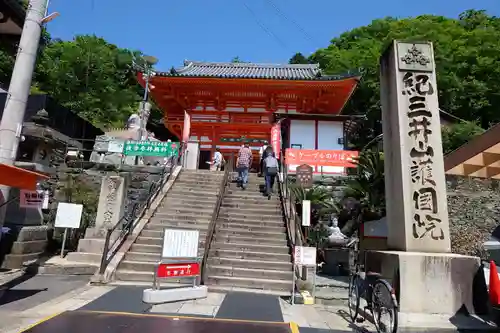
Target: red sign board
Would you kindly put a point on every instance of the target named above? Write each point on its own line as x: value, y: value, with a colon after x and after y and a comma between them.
x: 276, y: 139
x: 338, y: 158
x: 178, y: 270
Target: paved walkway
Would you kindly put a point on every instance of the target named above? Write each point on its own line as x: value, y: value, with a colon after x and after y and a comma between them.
x: 46, y: 296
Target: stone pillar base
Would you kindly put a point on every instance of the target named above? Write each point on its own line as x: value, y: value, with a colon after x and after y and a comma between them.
x: 429, y: 283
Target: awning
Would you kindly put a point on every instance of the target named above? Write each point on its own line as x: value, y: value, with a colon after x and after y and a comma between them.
x: 20, y: 178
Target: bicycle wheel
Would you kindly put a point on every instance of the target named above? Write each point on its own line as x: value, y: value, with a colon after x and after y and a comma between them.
x: 354, y: 296
x: 384, y: 307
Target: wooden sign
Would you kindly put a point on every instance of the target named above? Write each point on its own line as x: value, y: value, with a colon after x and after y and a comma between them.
x: 304, y: 175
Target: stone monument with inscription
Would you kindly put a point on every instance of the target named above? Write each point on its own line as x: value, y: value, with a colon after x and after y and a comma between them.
x: 427, y: 276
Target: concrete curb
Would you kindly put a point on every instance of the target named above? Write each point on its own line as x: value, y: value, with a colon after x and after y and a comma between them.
x: 113, y: 265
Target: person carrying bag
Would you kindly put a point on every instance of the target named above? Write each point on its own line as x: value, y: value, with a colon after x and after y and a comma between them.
x: 271, y: 169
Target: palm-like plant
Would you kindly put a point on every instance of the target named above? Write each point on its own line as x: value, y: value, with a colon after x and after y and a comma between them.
x: 368, y: 187
x: 320, y: 198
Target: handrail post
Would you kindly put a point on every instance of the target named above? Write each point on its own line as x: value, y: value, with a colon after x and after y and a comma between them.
x: 104, y: 258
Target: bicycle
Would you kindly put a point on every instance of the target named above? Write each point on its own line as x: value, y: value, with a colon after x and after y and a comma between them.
x: 380, y: 296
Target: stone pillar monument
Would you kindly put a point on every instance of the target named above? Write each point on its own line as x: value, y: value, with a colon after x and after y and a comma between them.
x: 428, y: 278
x: 413, y: 154
x: 110, y: 209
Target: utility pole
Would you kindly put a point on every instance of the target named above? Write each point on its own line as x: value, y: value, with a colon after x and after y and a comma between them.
x: 20, y: 84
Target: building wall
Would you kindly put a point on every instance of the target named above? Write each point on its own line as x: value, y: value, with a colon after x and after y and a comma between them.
x: 314, y: 134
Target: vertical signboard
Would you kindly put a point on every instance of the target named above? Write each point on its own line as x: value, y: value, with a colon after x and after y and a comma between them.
x: 276, y: 139
x: 306, y: 213
x: 187, y: 127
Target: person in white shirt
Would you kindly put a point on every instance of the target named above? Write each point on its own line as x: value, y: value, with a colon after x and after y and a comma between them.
x: 218, y: 160
x: 262, y: 151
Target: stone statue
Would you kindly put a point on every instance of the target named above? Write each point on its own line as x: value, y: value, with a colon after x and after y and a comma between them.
x: 134, y: 121
x: 336, y: 236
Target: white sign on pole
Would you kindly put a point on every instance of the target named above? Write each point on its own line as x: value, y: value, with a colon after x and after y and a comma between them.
x: 306, y: 213
x: 68, y: 215
x: 179, y: 243
x: 305, y: 256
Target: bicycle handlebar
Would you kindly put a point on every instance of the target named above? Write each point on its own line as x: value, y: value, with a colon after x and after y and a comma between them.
x: 353, y: 241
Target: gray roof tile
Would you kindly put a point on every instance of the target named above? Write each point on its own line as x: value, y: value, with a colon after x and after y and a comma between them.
x: 249, y: 71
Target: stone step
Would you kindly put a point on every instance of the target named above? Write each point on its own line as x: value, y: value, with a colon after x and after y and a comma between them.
x: 220, y: 270
x: 200, y: 198
x: 251, y: 240
x: 255, y: 210
x: 264, y: 256
x: 252, y: 283
x: 252, y: 247
x: 225, y: 232
x: 249, y: 191
x: 260, y: 201
x: 144, y: 261
x: 250, y: 216
x: 253, y: 264
x: 146, y: 276
x: 227, y: 289
x: 151, y: 243
x: 182, y: 210
x: 146, y: 248
x: 183, y: 191
x: 255, y: 198
x: 201, y: 171
x: 251, y: 222
x: 186, y: 205
x: 265, y: 204
x: 236, y: 227
x: 202, y: 227
x: 152, y: 233
x: 201, y: 182
x: 181, y: 218
x: 198, y: 187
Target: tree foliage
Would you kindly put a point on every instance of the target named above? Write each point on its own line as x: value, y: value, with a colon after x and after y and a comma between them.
x: 299, y: 58
x: 457, y: 134
x: 467, y: 53
x: 90, y: 76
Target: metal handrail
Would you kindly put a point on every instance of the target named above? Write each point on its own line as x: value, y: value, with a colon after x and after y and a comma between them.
x: 228, y: 170
x: 287, y: 198
x: 128, y: 222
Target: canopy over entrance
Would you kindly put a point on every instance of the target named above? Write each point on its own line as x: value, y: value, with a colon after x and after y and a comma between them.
x: 231, y: 100
x: 479, y: 157
x: 20, y: 178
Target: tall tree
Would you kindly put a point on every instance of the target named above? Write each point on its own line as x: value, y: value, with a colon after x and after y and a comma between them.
x: 467, y: 52
x: 298, y: 58
x: 92, y: 77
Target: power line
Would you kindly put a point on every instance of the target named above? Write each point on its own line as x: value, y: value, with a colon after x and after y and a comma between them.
x: 264, y: 27
x: 286, y: 18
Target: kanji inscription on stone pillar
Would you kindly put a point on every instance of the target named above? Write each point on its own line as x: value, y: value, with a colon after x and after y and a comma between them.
x: 417, y: 212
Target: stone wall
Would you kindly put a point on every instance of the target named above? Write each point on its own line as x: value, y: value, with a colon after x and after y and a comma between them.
x: 474, y: 212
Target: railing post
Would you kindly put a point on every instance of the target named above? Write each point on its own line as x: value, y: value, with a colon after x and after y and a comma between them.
x: 104, y: 258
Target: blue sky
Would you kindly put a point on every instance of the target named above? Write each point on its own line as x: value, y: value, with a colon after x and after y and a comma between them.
x: 268, y: 31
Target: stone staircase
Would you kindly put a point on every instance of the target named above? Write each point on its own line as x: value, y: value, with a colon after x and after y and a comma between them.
x: 188, y: 205
x: 250, y: 249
